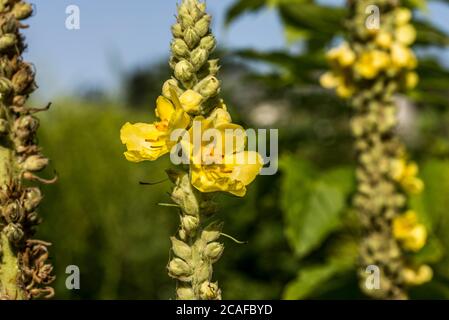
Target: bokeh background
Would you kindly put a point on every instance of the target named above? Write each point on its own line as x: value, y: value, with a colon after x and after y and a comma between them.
x: 301, y: 233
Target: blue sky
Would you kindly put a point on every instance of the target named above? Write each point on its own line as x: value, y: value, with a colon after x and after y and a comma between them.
x: 119, y: 35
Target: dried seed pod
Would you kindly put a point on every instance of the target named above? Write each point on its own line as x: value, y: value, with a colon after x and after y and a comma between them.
x: 14, y: 233
x: 34, y: 163
x: 13, y: 212
x: 31, y: 199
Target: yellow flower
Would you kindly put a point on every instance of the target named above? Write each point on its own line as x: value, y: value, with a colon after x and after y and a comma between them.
x: 406, y: 175
x: 150, y: 141
x: 402, y: 16
x: 371, y: 63
x: 384, y: 39
x: 402, y: 57
x: 409, y: 232
x: 405, y: 34
x: 416, y: 277
x: 343, y: 55
x: 217, y: 167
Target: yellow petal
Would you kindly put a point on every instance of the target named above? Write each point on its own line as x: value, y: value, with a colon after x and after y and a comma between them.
x: 136, y: 135
x: 164, y: 108
x: 133, y: 156
x: 191, y: 101
x: 245, y: 166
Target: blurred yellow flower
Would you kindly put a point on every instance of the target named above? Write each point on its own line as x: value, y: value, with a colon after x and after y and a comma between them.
x: 343, y: 55
x: 150, y: 141
x: 329, y: 80
x: 216, y: 167
x: 371, y: 63
x: 405, y: 34
x: 409, y: 232
x: 419, y: 276
x: 402, y: 16
x: 402, y: 57
x: 411, y: 80
x: 406, y: 174
x: 384, y: 39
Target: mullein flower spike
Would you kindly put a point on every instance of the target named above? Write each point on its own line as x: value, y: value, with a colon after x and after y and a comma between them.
x: 24, y: 271
x: 369, y: 69
x: 191, y: 99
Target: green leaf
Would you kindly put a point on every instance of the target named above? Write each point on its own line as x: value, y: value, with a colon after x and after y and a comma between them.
x: 427, y: 34
x: 312, y: 203
x: 242, y: 6
x: 312, y: 279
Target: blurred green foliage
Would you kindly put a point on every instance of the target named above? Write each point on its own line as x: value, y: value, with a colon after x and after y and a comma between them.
x: 316, y: 157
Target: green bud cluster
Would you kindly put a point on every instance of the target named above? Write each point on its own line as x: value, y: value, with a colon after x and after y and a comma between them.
x: 379, y: 199
x: 24, y: 271
x: 191, y: 48
x: 195, y: 248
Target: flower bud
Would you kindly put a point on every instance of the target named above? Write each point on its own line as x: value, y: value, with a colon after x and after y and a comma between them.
x: 32, y: 198
x: 7, y: 41
x: 191, y: 37
x: 176, y: 30
x: 181, y: 249
x: 213, y: 66
x: 185, y: 293
x: 208, y: 87
x: 172, y: 83
x: 210, y: 291
x: 199, y: 57
x: 212, y: 231
x: 202, y: 26
x: 214, y: 251
x: 208, y: 43
x: 14, y: 232
x: 190, y: 223
x: 180, y: 48
x: 35, y: 163
x: 184, y: 70
x: 22, y: 10
x: 179, y: 268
